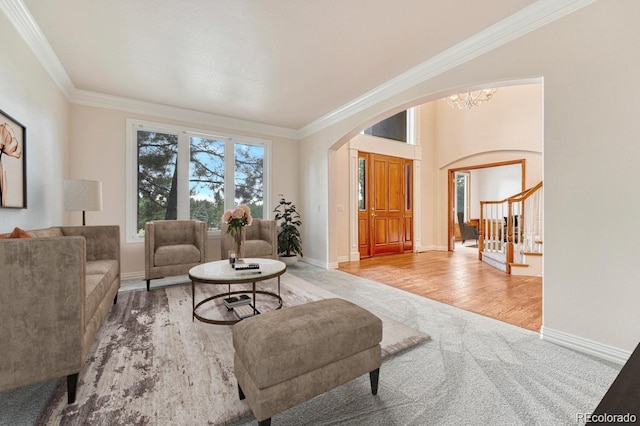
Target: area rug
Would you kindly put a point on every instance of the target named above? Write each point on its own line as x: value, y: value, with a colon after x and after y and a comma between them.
x: 151, y: 364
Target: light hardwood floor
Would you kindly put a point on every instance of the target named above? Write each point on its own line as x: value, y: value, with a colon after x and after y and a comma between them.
x: 459, y: 279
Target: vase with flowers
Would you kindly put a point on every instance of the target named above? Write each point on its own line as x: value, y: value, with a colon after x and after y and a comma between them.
x: 236, y: 219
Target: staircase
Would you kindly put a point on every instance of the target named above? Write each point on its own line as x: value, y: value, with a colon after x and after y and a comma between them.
x: 511, y: 233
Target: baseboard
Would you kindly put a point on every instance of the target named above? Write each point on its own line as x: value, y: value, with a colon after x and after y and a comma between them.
x: 319, y: 263
x: 583, y: 345
x: 132, y: 275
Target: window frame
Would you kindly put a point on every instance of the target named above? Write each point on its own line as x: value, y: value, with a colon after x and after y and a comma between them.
x: 184, y: 135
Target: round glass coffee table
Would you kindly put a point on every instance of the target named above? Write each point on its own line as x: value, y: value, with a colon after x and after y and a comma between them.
x: 222, y: 272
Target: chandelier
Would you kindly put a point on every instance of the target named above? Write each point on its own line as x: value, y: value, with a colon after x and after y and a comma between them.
x: 470, y: 99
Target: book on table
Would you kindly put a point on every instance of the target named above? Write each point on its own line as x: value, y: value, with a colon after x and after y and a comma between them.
x: 246, y: 266
x: 239, y: 300
x: 244, y: 311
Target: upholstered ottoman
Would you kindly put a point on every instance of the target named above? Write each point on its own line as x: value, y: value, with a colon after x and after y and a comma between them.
x: 285, y: 357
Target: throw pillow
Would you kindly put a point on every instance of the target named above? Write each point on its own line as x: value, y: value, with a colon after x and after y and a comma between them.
x: 17, y: 233
x: 20, y: 233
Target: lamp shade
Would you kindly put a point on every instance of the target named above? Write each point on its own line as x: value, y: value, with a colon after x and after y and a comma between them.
x: 82, y: 195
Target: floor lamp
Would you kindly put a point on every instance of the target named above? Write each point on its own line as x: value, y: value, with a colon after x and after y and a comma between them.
x: 82, y: 195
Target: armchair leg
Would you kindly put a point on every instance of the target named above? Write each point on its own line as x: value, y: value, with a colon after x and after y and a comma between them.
x: 148, y: 284
x: 240, y: 393
x: 115, y: 299
x: 72, y: 385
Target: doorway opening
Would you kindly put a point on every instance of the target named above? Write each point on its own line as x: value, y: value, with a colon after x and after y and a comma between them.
x: 482, y: 182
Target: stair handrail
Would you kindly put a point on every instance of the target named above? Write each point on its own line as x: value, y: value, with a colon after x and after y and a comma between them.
x: 520, y: 197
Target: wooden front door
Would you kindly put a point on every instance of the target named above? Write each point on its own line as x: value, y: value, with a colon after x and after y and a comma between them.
x: 385, y: 213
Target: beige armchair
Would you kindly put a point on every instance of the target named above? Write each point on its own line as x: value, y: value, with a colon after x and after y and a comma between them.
x: 261, y: 240
x: 172, y: 247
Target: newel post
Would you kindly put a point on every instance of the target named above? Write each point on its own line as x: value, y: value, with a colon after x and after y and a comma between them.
x: 509, y: 236
x: 481, y: 231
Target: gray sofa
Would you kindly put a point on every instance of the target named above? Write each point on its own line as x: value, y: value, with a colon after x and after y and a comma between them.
x: 56, y: 289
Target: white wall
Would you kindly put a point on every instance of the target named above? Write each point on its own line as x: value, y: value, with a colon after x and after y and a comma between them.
x: 30, y: 96
x: 493, y: 184
x: 511, y: 120
x: 497, y: 183
x: 588, y: 61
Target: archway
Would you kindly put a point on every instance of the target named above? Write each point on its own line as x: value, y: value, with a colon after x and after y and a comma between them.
x: 431, y: 179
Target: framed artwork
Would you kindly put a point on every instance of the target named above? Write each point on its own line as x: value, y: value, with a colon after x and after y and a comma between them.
x: 13, y: 169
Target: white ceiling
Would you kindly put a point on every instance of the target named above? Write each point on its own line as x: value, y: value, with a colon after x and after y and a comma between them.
x: 284, y: 63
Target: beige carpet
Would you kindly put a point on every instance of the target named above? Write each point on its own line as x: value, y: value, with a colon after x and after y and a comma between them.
x: 152, y: 365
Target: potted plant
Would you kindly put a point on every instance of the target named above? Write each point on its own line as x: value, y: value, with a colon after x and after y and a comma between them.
x: 289, y: 242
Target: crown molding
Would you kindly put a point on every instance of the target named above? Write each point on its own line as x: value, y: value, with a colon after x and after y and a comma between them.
x: 528, y: 19
x: 101, y: 100
x: 18, y: 14
x: 520, y: 23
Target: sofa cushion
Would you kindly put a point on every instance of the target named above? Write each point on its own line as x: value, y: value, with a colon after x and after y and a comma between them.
x: 95, y: 288
x: 99, y: 275
x: 177, y: 254
x: 46, y: 232
x: 257, y: 248
x: 279, y: 345
x: 107, y: 267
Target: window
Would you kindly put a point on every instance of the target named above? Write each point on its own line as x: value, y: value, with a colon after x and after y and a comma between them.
x: 177, y: 173
x: 462, y: 194
x: 362, y: 183
x: 400, y: 127
x: 408, y: 186
x: 394, y: 127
